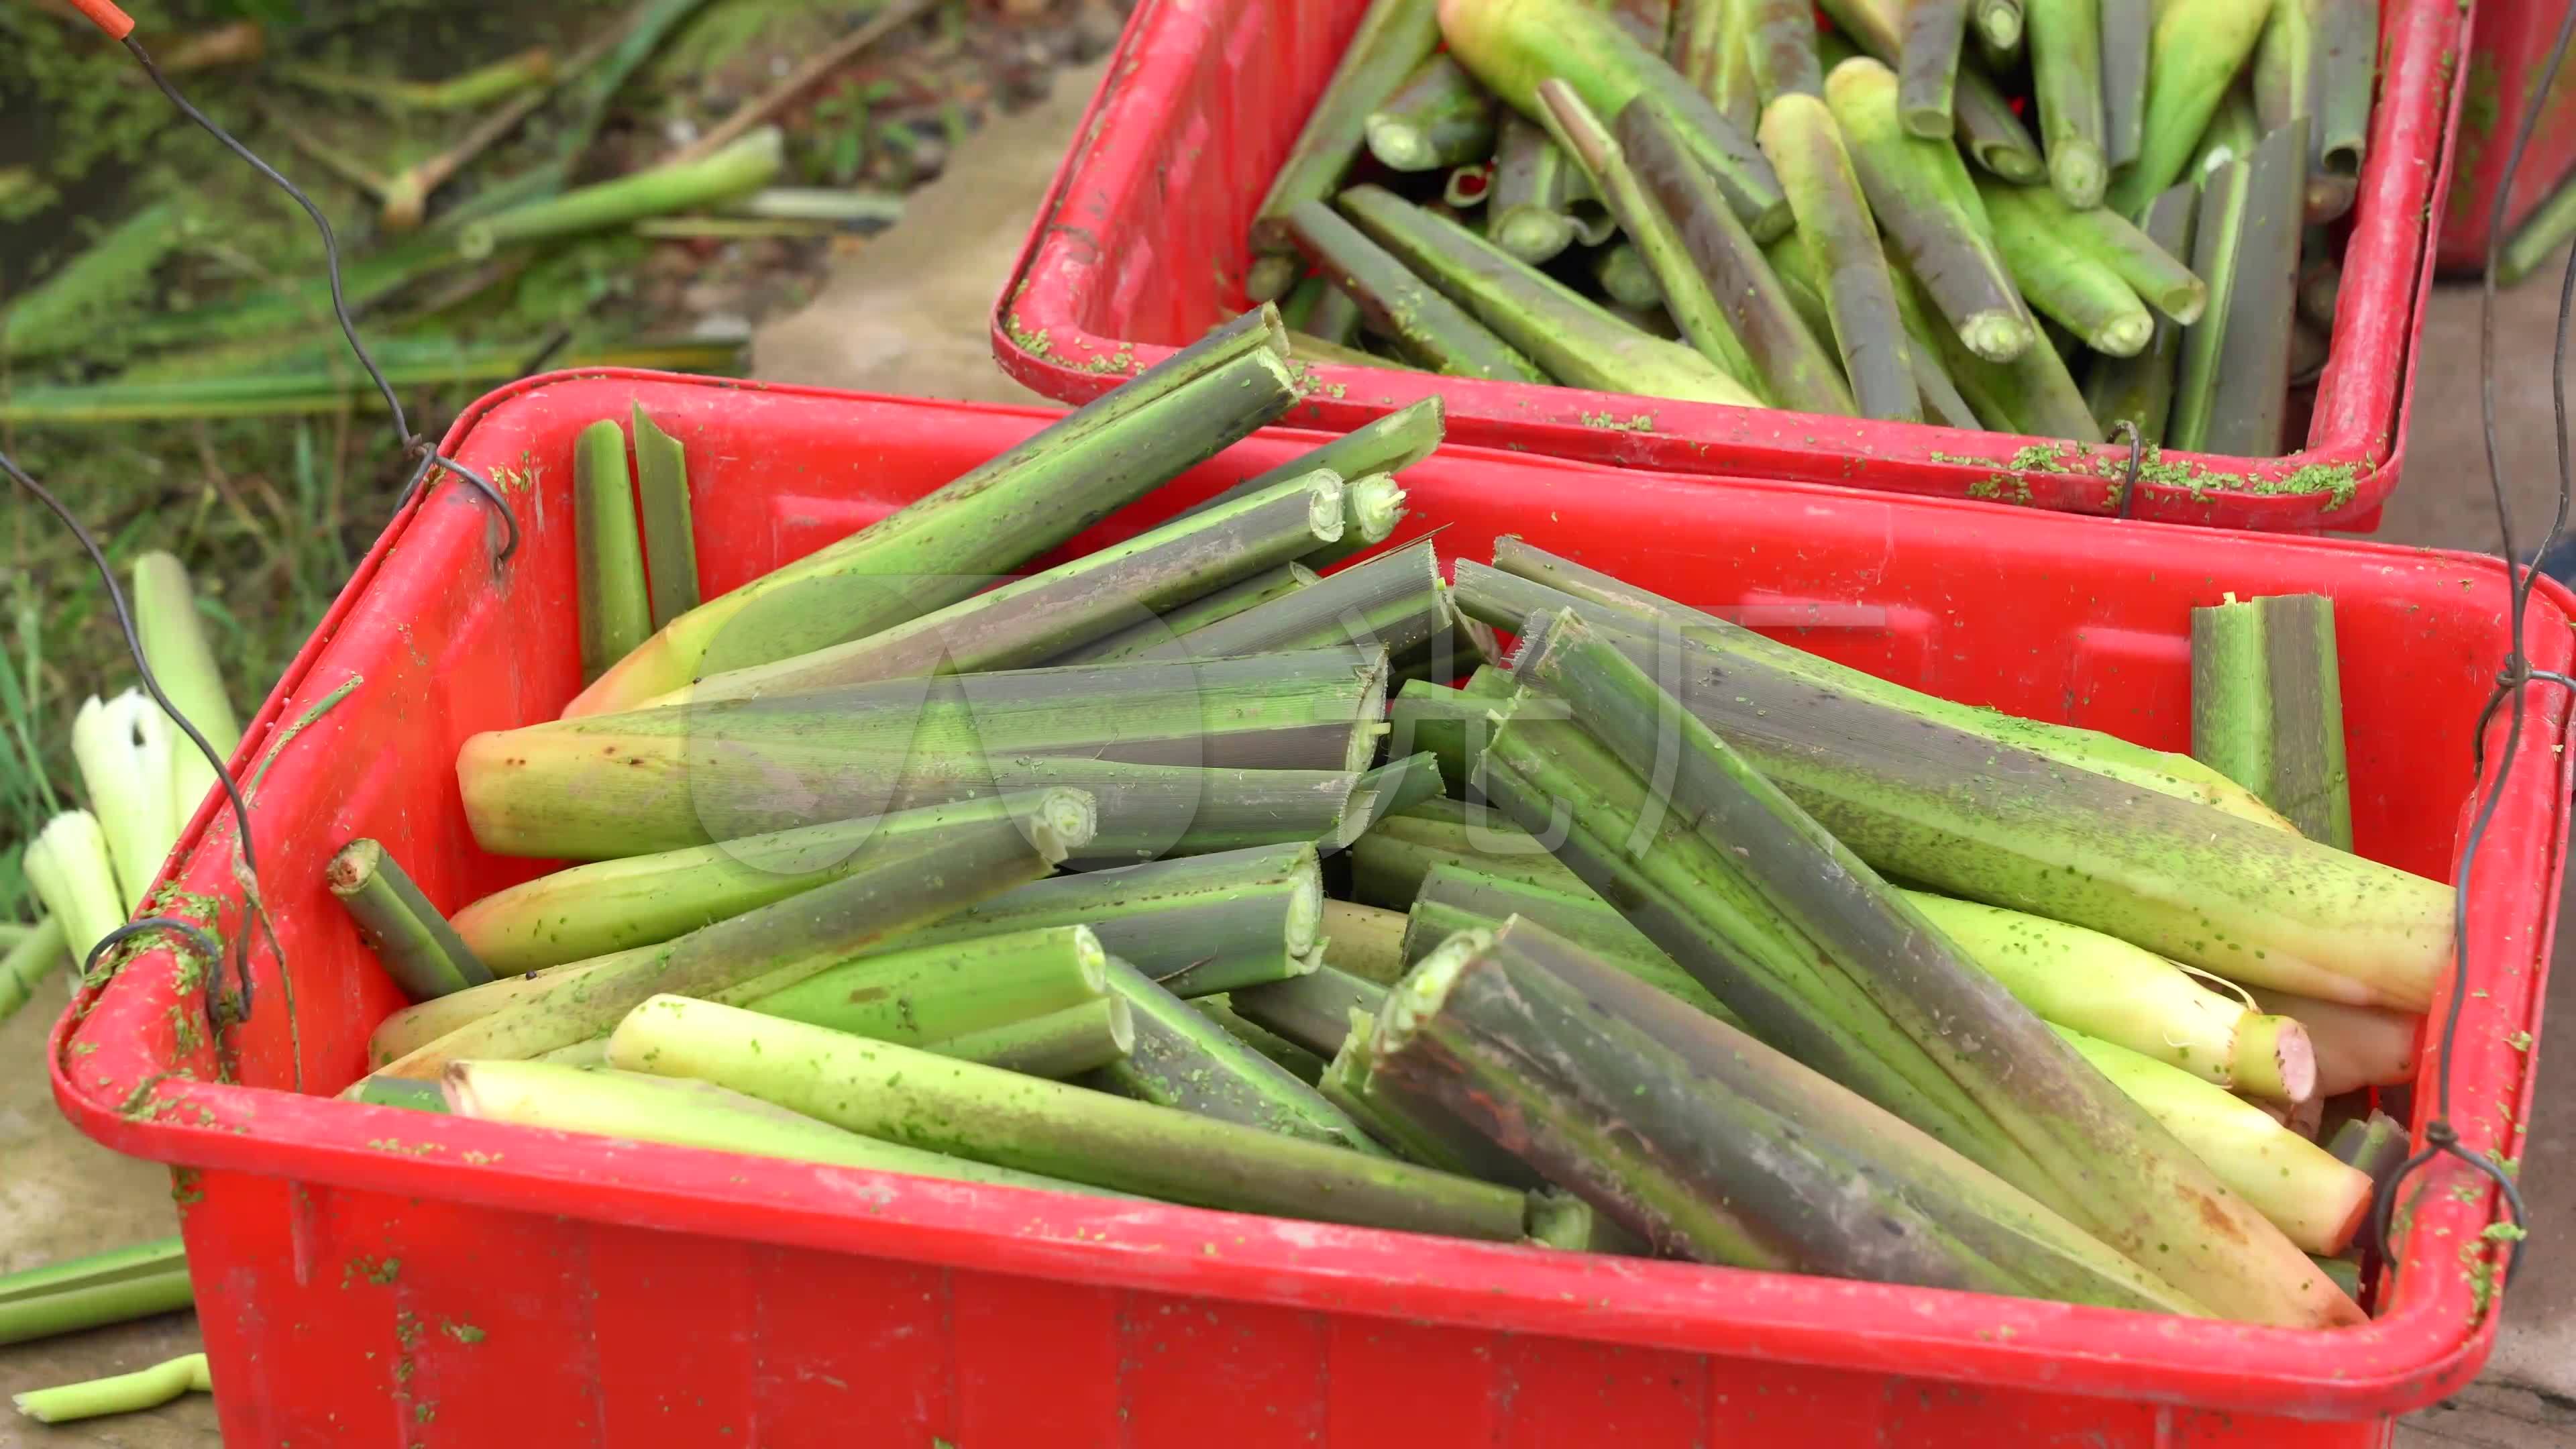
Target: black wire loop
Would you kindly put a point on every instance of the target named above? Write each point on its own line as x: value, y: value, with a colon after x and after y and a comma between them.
x: 2441, y: 1137
x: 2137, y: 459
x: 410, y: 444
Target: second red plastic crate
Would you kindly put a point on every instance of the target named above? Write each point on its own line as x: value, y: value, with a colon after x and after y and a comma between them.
x: 384, y: 1279
x: 1141, y: 247
x: 2510, y: 44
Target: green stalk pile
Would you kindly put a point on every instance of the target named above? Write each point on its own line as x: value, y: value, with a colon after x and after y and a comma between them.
x: 1592, y: 945
x: 1729, y: 202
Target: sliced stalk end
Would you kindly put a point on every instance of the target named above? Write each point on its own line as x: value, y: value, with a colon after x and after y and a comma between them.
x: 1419, y: 997
x: 1373, y: 506
x: 1999, y: 21
x: 1327, y: 508
x: 1306, y: 915
x: 1400, y: 145
x: 1270, y: 278
x: 2274, y: 1059
x: 2077, y: 172
x: 1534, y: 236
x: 2124, y: 336
x: 1062, y: 821
x: 1998, y: 336
x: 1092, y: 958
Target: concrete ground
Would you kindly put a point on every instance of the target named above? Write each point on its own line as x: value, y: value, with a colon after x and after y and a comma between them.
x: 908, y: 314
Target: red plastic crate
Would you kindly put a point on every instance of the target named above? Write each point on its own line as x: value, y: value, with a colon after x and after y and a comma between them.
x: 2508, y: 46
x: 369, y: 1276
x: 1141, y: 246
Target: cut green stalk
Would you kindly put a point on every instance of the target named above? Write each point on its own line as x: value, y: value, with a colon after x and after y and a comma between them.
x: 1883, y: 998
x: 94, y: 1291
x: 1707, y: 45
x: 1514, y: 45
x: 2104, y: 987
x: 402, y: 1092
x: 1152, y: 638
x: 1059, y: 1046
x: 738, y: 170
x: 2231, y: 897
x: 2001, y: 22
x: 1936, y: 394
x: 2347, y: 59
x: 1399, y: 787
x: 417, y: 946
x: 1442, y: 722
x: 1364, y: 941
x: 1313, y: 1010
x: 1982, y: 119
x: 1467, y: 185
x: 679, y: 1112
x: 1455, y: 898
x: 1918, y: 190
x: 2267, y: 707
x: 2231, y: 395
x: 1653, y: 229
x: 1391, y: 603
x: 1333, y: 318
x: 1559, y: 1219
x: 1389, y: 444
x: 1707, y: 1145
x: 2128, y: 28
x: 1839, y: 241
x: 2284, y: 75
x: 1314, y: 350
x: 2199, y: 48
x: 1620, y: 271
x: 1387, y: 871
x: 1791, y: 367
x: 2063, y: 280
x: 2376, y: 1145
x: 119, y: 1394
x: 1573, y: 339
x: 1393, y: 40
x: 1438, y: 118
x: 2316, y: 1201
x: 924, y: 996
x: 1410, y: 1125
x: 921, y: 869
x: 1298, y: 1062
x: 1565, y: 582
x: 615, y: 614
x: 67, y: 865
x: 2232, y: 135
x: 1182, y: 1059
x: 1200, y: 925
x: 1526, y: 212
x: 1371, y: 509
x: 28, y: 961
x: 1649, y: 21
x: 2137, y: 257
x: 662, y: 505
x: 930, y: 1102
x: 2066, y: 71
x: 1928, y: 66
x: 603, y: 787
x: 174, y: 644
x: 1014, y: 507
x: 1782, y: 38
x: 2356, y: 1046
x: 2140, y: 389
x: 1424, y: 324
x: 1027, y: 621
x: 2034, y: 393
x: 123, y: 749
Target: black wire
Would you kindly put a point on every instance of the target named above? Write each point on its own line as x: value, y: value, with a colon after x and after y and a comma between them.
x: 404, y: 439
x: 2440, y: 1136
x: 239, y: 1007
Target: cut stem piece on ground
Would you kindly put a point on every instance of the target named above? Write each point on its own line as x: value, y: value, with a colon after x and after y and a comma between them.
x: 121, y: 1394
x: 94, y: 1291
x: 2267, y: 707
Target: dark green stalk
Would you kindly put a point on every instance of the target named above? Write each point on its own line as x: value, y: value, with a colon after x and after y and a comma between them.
x: 414, y: 942
x: 922, y: 996
x: 1782, y: 38
x: 1389, y: 444
x: 662, y: 506
x: 1425, y: 325
x: 2128, y: 28
x: 1921, y: 194
x: 1621, y: 272
x: 2066, y: 71
x: 614, y: 614
x: 2034, y: 393
x: 1150, y: 637
x: 1526, y: 211
x: 1300, y: 1063
x: 1437, y: 119
x: 1929, y: 66
x: 2199, y: 49
x: 1792, y: 367
x: 1393, y: 40
x: 1391, y: 602
x: 1573, y: 339
x: 1838, y: 240
x: 2140, y: 389
x: 1313, y: 1010
x: 2267, y: 707
x: 2232, y: 395
x: 2063, y: 280
x: 1182, y: 1059
x: 2347, y: 55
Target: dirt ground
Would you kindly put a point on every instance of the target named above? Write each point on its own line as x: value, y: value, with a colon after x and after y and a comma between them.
x: 908, y: 315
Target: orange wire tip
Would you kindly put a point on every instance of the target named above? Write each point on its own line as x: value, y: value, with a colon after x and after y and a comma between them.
x: 107, y: 17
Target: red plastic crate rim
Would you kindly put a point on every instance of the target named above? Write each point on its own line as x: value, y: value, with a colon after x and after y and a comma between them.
x: 1141, y: 247
x: 2036, y: 613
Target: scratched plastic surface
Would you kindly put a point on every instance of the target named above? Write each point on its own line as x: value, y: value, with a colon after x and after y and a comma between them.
x: 2509, y: 45
x: 372, y: 1277
x: 1140, y: 248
